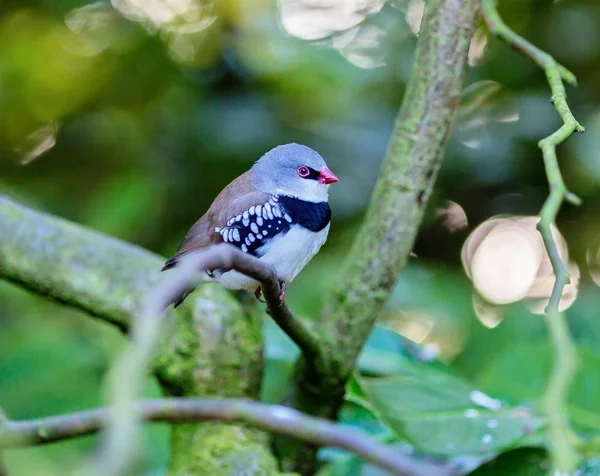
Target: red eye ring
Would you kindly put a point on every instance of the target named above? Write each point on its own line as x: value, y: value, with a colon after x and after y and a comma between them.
x: 303, y: 171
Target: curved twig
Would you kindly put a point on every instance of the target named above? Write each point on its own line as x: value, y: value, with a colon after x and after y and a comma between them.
x: 275, y: 418
x: 230, y: 258
x: 564, y: 455
x: 127, y: 375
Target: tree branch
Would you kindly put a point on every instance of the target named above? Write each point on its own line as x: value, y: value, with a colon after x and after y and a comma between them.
x: 388, y: 232
x: 414, y: 156
x: 128, y: 373
x: 274, y: 418
x: 74, y: 265
x: 228, y: 257
x: 564, y: 455
x: 209, y: 347
x: 71, y: 264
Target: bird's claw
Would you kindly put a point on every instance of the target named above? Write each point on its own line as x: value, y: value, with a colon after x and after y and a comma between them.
x: 282, y: 287
x: 258, y: 295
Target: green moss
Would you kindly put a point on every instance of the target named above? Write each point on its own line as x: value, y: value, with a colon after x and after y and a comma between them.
x: 382, y: 246
x: 219, y: 449
x: 73, y: 264
x: 408, y: 173
x: 210, y: 348
x: 214, y: 349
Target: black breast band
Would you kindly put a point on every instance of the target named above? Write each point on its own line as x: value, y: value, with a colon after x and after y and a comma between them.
x: 310, y: 215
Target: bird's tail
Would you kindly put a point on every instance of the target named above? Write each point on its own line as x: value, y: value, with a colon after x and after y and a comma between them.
x: 178, y: 299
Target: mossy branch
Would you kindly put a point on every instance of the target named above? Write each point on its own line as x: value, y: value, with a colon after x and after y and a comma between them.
x: 209, y: 347
x: 387, y: 235
x: 127, y: 375
x: 562, y: 449
x: 388, y: 232
x: 74, y: 265
x: 274, y: 418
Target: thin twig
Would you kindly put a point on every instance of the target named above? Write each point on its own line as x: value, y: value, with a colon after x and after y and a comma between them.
x: 274, y: 418
x: 564, y: 455
x: 228, y: 257
x: 127, y: 375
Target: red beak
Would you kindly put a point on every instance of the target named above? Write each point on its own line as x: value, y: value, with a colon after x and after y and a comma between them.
x: 327, y: 176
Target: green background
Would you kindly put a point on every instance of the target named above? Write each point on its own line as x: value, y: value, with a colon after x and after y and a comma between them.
x: 150, y: 120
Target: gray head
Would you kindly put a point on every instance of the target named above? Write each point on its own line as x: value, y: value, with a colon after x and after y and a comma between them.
x: 295, y: 170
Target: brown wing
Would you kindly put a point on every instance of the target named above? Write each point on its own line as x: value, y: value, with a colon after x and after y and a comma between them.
x: 234, y: 199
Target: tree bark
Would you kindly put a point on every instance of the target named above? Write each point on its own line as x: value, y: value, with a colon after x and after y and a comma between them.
x: 396, y: 209
x: 212, y: 348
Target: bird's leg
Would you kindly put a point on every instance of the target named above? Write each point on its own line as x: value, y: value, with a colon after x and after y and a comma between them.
x: 282, y: 286
x: 258, y: 295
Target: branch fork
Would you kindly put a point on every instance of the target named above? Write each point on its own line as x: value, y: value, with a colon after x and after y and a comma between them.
x: 228, y: 257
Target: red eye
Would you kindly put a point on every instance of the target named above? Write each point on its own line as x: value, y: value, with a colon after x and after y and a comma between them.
x: 303, y: 171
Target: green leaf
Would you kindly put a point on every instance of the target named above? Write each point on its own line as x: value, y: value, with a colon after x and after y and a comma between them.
x: 350, y: 466
x: 444, y: 415
x: 519, y: 462
x: 522, y: 372
x: 356, y: 395
x: 386, y: 353
x: 358, y: 416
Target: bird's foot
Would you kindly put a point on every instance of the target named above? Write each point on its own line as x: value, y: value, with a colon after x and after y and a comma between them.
x: 258, y: 294
x: 282, y: 286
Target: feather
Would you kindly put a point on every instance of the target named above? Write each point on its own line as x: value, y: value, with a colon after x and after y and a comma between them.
x: 232, y: 202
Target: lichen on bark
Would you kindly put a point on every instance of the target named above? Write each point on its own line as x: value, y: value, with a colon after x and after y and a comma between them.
x: 211, y: 346
x: 386, y: 238
x: 219, y: 449
x: 213, y: 349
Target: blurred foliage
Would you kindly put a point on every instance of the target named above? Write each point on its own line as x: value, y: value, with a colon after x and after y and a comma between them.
x: 130, y: 116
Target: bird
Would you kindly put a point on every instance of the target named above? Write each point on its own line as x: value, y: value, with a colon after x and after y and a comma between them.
x: 278, y: 211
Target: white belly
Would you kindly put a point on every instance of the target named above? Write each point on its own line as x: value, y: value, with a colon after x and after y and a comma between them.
x: 288, y: 253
